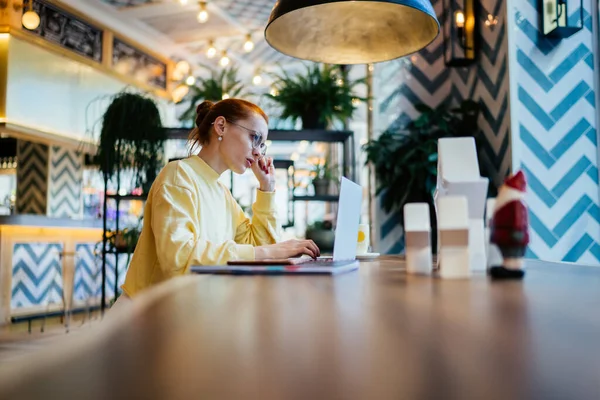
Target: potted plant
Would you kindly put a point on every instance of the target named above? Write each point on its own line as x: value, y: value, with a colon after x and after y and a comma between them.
x: 321, y: 96
x: 219, y: 85
x: 405, y: 160
x: 323, y: 174
x: 322, y: 233
x: 132, y: 137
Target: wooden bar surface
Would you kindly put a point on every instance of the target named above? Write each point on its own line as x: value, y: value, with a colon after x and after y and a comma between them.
x: 376, y: 333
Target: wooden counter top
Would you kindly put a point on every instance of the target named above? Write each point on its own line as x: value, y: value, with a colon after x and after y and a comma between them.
x: 372, y: 334
x: 43, y: 221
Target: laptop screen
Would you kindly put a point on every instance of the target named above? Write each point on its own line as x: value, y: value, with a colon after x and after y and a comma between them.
x: 348, y: 218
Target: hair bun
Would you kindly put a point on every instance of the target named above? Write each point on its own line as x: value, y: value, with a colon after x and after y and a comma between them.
x: 202, y: 110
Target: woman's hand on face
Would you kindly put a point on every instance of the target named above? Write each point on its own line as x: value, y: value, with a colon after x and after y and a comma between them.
x: 265, y: 173
x: 289, y: 248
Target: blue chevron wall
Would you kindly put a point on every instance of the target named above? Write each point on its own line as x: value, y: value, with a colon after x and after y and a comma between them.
x: 65, y: 183
x: 424, y: 78
x: 554, y: 134
x: 87, y: 283
x: 32, y: 177
x: 36, y: 275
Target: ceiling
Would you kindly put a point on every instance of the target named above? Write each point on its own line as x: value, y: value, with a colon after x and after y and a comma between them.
x: 228, y: 24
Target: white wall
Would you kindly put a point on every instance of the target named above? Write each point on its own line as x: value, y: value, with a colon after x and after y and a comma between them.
x: 58, y: 95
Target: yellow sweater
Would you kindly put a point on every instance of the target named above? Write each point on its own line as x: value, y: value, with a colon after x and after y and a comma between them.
x: 192, y: 219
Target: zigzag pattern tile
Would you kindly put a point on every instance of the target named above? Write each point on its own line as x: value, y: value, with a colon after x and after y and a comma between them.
x: 110, y: 273
x: 402, y: 84
x: 32, y: 176
x: 557, y: 138
x: 36, y: 275
x: 66, y: 176
x: 487, y: 83
x: 88, y: 273
x: 424, y: 78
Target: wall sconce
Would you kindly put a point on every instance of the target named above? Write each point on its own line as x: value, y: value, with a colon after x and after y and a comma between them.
x: 555, y: 18
x: 460, y: 41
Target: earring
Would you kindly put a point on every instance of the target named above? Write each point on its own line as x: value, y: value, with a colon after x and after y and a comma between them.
x: 220, y: 138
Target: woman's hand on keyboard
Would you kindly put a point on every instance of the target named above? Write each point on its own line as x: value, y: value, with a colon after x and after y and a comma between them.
x: 287, y: 249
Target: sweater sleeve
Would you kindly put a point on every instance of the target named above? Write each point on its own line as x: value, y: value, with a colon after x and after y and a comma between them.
x: 263, y: 229
x: 178, y: 243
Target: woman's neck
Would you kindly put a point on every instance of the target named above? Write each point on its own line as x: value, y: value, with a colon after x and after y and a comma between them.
x: 211, y: 156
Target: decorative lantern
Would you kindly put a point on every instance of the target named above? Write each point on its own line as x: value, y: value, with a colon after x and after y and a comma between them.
x: 460, y: 39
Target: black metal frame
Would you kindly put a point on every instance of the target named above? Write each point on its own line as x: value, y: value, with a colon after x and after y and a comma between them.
x: 450, y: 37
x: 560, y: 32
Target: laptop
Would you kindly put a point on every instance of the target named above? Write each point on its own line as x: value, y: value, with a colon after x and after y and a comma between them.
x: 346, y: 233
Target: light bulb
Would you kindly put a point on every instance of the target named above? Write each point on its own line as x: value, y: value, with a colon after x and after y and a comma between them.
x: 211, y: 52
x: 203, y: 14
x: 257, y: 79
x: 224, y: 60
x: 460, y: 19
x: 190, y: 80
x: 183, y: 2
x: 225, y: 96
x: 249, y: 45
x: 30, y: 20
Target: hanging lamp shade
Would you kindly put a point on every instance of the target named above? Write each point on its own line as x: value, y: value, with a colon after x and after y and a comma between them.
x: 351, y: 31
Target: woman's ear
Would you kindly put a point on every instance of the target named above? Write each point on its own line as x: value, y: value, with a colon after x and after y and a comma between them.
x: 219, y: 125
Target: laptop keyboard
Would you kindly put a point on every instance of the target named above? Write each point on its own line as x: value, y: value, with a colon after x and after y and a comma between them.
x: 328, y: 262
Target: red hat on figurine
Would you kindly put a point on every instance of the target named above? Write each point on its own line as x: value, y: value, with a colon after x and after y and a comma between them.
x: 517, y: 181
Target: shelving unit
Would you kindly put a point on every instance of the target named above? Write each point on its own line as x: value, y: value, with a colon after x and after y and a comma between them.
x: 118, y: 199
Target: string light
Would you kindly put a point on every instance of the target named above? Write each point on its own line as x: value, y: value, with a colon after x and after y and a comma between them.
x: 225, y: 96
x: 190, y: 80
x: 30, y: 19
x: 257, y: 80
x: 212, y: 51
x: 203, y: 14
x: 249, y: 45
x: 224, y: 59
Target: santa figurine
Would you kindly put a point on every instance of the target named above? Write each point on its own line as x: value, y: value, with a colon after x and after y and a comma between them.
x: 509, y: 227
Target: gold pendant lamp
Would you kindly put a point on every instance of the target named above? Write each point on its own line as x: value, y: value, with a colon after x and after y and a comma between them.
x: 351, y: 31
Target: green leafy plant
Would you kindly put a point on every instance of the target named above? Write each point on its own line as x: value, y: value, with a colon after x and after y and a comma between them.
x: 132, y: 137
x: 321, y: 96
x: 213, y: 88
x: 322, y: 175
x: 405, y: 160
x: 320, y: 226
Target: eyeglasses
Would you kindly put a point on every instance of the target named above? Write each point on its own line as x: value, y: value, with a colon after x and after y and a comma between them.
x: 257, y: 142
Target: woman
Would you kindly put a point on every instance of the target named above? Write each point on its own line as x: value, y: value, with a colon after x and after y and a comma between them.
x: 192, y: 219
